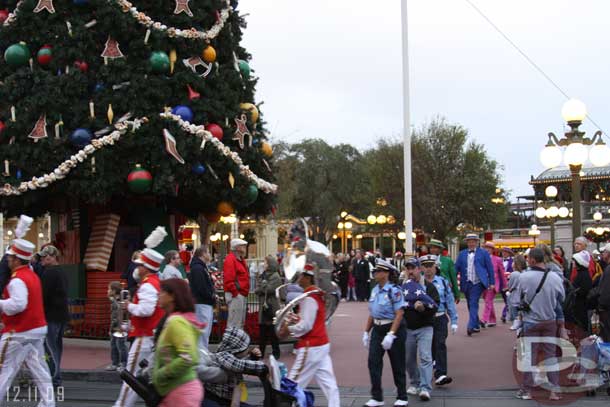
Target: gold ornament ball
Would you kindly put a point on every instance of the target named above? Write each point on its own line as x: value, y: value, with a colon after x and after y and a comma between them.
x: 267, y: 149
x: 249, y: 107
x: 225, y: 208
x: 209, y: 54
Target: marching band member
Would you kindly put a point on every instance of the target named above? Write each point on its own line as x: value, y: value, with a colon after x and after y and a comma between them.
x: 145, y: 312
x: 313, y: 347
x: 25, y: 326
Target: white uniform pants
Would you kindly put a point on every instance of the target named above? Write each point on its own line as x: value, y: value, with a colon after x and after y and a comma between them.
x: 16, y: 350
x: 141, y: 348
x: 315, y: 362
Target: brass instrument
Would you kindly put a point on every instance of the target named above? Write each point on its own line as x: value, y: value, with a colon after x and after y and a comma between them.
x: 303, y: 250
x: 123, y: 316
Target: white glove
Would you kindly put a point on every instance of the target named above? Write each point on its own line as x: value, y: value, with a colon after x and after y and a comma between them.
x: 454, y: 328
x: 365, y: 339
x: 228, y: 297
x: 387, y: 342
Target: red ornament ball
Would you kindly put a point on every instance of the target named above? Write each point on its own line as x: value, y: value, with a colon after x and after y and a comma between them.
x: 45, y: 55
x: 216, y: 130
x: 2, y: 127
x: 82, y: 66
x: 3, y: 16
x: 139, y: 180
x: 225, y: 208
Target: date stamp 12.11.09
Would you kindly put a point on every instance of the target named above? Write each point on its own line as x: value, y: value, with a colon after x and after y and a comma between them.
x: 19, y: 394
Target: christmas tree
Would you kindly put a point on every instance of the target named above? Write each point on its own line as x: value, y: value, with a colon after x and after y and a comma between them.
x: 90, y: 89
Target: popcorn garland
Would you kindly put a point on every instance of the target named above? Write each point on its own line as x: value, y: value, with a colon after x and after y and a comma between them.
x: 244, y: 170
x: 64, y: 168
x: 172, y: 32
x: 148, y: 22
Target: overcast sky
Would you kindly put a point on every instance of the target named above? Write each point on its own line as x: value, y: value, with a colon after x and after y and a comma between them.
x: 332, y: 69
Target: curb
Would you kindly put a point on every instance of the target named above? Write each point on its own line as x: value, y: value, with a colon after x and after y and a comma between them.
x: 91, y: 376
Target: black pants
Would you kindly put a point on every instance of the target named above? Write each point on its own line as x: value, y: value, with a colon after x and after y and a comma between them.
x: 439, y: 347
x: 604, y: 319
x: 362, y: 290
x: 343, y: 284
x: 267, y: 334
x: 397, y: 360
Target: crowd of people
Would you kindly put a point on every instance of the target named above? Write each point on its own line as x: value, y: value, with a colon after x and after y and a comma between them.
x: 412, y: 308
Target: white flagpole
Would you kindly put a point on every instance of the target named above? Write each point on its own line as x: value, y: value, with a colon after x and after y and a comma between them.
x: 406, y: 129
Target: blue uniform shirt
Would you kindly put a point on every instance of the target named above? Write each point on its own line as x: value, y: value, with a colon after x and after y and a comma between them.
x: 384, y: 302
x: 447, y: 300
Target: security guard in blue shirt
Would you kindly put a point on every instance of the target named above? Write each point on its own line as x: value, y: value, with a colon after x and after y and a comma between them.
x: 387, y: 333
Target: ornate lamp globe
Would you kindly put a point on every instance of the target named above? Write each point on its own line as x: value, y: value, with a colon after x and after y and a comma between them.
x: 552, y: 212
x: 551, y: 191
x: 540, y: 212
x: 574, y: 111
x: 575, y: 154
x: 564, y: 212
x: 599, y: 155
x: 550, y: 156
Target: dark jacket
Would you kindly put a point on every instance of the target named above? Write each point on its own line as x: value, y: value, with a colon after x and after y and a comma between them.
x: 362, y: 272
x: 201, y: 283
x: 5, y: 273
x: 55, y: 294
x: 604, y: 290
x: 577, y: 312
x: 132, y: 284
x: 417, y: 319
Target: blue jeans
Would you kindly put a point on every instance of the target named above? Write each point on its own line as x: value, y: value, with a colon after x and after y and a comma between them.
x: 205, y: 314
x: 118, y: 351
x: 473, y: 294
x: 54, y: 345
x: 419, y: 343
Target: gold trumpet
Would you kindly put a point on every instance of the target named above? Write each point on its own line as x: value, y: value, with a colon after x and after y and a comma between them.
x: 123, y: 316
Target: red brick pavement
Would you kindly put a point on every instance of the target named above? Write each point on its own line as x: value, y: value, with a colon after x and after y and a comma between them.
x: 480, y: 362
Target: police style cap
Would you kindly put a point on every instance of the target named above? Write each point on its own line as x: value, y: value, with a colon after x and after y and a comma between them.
x: 382, y: 265
x: 412, y: 261
x: 428, y: 260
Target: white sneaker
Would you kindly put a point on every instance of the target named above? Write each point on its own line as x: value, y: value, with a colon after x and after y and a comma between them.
x: 111, y: 368
x: 516, y: 325
x: 412, y: 391
x: 373, y: 403
x: 424, y: 395
x: 401, y: 403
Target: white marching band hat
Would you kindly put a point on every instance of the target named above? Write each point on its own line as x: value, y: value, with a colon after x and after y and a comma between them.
x: 150, y: 258
x: 20, y: 247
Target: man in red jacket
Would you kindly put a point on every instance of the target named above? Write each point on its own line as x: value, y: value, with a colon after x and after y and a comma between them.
x: 25, y: 326
x: 313, y: 347
x: 236, y: 280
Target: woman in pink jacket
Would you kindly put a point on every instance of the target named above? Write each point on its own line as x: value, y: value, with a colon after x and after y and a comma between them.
x: 489, y: 314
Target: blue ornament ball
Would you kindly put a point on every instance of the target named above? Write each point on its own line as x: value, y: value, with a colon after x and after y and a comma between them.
x: 198, y: 168
x: 80, y: 2
x: 18, y: 174
x: 99, y: 87
x: 184, y: 112
x: 255, y: 141
x: 81, y: 137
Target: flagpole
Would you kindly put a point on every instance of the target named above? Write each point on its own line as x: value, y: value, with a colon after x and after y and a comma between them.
x: 406, y: 129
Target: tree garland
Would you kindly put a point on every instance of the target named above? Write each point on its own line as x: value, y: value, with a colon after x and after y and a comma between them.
x: 121, y: 128
x: 64, y: 168
x: 146, y: 21
x: 172, y: 32
x: 206, y: 136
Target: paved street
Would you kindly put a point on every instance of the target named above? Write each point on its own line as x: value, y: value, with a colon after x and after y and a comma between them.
x: 480, y: 366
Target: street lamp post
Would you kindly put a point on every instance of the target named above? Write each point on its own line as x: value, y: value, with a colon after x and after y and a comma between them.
x: 575, y: 154
x: 534, y: 232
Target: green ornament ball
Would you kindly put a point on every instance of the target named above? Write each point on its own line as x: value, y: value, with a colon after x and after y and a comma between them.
x: 244, y: 68
x: 139, y: 180
x: 252, y: 193
x: 17, y: 55
x: 159, y: 62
